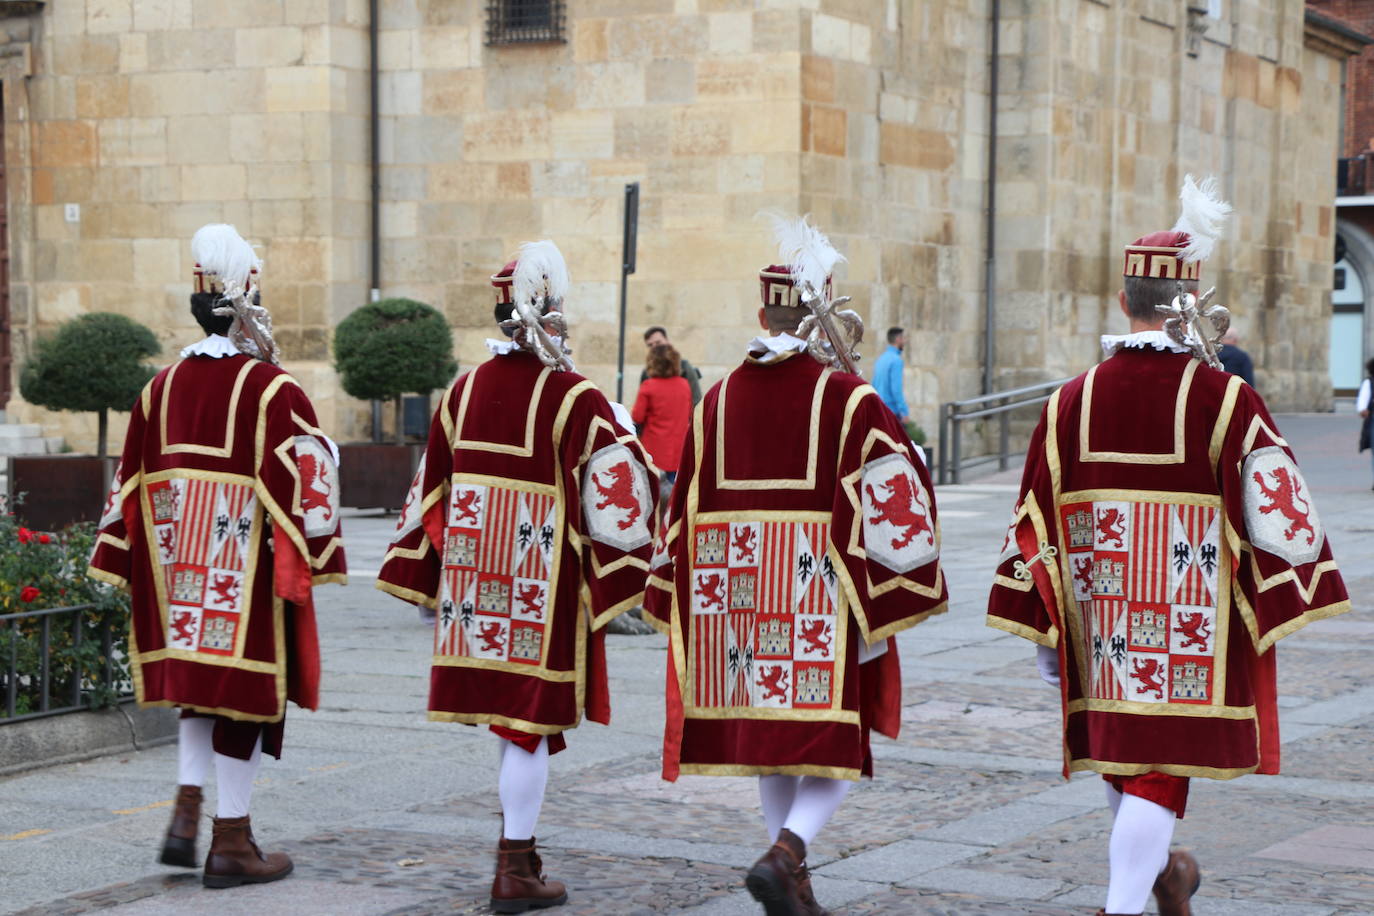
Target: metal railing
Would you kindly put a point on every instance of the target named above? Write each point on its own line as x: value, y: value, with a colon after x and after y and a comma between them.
x: 61, y: 682
x: 953, y: 414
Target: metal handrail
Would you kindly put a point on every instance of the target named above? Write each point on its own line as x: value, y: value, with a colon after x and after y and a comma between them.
x: 953, y: 414
x: 80, y: 679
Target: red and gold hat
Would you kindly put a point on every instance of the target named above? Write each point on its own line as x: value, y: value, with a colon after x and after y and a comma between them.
x: 1178, y: 253
x: 777, y: 286
x: 504, y: 282
x: 1160, y: 255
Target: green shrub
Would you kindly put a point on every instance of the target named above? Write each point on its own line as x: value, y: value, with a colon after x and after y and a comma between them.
x: 95, y: 363
x: 393, y: 347
x: 914, y: 431
x: 41, y: 570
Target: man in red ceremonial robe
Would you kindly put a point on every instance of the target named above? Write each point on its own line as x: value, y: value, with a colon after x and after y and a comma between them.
x: 801, y: 536
x: 1163, y: 541
x: 223, y: 514
x: 527, y: 528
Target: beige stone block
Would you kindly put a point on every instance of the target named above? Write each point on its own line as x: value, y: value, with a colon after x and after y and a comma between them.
x: 589, y: 40
x: 275, y: 218
x: 610, y: 85
x: 731, y: 33
x: 781, y: 130
x: 240, y: 14
x: 133, y: 52
x: 278, y: 46
x: 198, y: 50
x: 651, y: 37
x: 160, y: 183
x: 162, y: 15
x: 109, y: 16
x: 308, y: 12
x: 278, y: 137
x: 59, y: 302
x: 583, y: 134
x: 214, y: 182
x: 49, y: 222
x: 78, y: 54
x: 829, y: 129
x: 700, y: 131
x: 99, y: 261
x: 831, y: 36
x: 412, y: 260
x: 442, y: 48
x: 298, y: 89
x: 451, y: 92
x: 196, y: 139
x: 133, y: 141
x: 158, y: 260
x: 65, y: 143
x: 395, y: 49
x: 102, y: 96
x: 507, y: 135
x: 817, y: 78
x: 348, y: 47
x: 165, y: 94
x: 900, y: 144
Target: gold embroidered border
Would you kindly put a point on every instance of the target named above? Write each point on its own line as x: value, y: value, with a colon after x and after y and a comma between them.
x: 407, y: 594
x: 1085, y: 452
x: 1183, y: 710
x: 741, y: 769
x: 496, y: 664
x: 782, y: 483
x: 1223, y: 421
x: 487, y: 718
x: 223, y: 451
x: 520, y: 451
x: 1172, y: 769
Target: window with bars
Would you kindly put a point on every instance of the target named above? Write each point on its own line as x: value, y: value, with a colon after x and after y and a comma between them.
x: 525, y: 21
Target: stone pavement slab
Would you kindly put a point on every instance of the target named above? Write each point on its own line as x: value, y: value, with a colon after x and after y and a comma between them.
x: 386, y: 812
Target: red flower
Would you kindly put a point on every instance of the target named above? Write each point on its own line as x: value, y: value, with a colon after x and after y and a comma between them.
x: 28, y: 593
x: 44, y: 539
x: 25, y: 535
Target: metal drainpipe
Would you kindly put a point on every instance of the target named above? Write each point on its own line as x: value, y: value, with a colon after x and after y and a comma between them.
x: 990, y: 260
x: 375, y: 279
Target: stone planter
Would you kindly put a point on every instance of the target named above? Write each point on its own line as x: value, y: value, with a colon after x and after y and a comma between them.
x: 59, y: 490
x: 375, y: 476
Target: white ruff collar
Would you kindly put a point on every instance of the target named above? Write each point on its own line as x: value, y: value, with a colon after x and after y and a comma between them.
x: 772, y: 349
x: 501, y: 347
x: 1140, y: 340
x: 215, y: 346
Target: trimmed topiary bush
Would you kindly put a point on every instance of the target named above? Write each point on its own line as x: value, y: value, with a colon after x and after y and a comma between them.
x: 92, y: 363
x: 393, y: 347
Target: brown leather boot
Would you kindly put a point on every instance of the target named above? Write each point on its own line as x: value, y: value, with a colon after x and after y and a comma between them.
x: 1177, y: 883
x: 809, y: 906
x: 235, y: 858
x: 773, y: 879
x: 520, y: 884
x: 179, y: 846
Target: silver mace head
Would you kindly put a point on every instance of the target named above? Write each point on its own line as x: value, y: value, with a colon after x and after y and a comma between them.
x: 528, y: 330
x: 831, y: 333
x: 1185, y: 324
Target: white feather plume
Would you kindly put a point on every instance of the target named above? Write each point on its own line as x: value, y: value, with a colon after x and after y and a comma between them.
x: 1202, y: 217
x: 804, y: 249
x: 540, y: 271
x: 220, y: 250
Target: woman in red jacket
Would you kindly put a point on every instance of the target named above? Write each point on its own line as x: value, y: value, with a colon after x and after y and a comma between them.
x: 663, y: 409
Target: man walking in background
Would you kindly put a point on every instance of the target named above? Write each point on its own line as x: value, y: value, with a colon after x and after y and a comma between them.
x: 656, y: 336
x: 887, y: 373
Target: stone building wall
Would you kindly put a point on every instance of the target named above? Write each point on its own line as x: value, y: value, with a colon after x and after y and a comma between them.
x: 160, y: 115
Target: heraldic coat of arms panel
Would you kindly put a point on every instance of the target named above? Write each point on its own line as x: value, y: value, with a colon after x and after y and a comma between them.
x: 499, y: 547
x: 202, y: 534
x: 1146, y: 577
x: 764, y: 624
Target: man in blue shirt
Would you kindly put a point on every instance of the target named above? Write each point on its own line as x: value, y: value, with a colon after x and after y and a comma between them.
x: 887, y: 373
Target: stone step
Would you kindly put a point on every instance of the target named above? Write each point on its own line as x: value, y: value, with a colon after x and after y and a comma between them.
x: 31, y: 445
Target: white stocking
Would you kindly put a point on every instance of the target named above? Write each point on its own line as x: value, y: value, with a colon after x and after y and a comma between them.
x: 521, y: 786
x: 776, y: 794
x: 195, y: 750
x: 234, y: 782
x: 818, y: 798
x: 1139, y: 852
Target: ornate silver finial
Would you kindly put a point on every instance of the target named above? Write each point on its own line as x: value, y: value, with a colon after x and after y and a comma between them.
x: 529, y: 331
x: 831, y: 333
x: 1184, y: 324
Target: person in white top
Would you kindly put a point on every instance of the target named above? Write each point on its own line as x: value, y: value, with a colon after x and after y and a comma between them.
x: 1362, y: 405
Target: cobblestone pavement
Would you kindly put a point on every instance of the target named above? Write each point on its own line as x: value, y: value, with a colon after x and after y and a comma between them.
x: 385, y: 812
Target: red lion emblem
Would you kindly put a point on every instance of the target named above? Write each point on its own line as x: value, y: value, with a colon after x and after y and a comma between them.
x: 620, y: 494
x: 1150, y: 673
x: 491, y: 635
x: 744, y: 545
x: 532, y: 597
x: 712, y: 590
x: 312, y: 496
x: 226, y: 589
x: 773, y: 680
x: 1193, y: 628
x: 1111, y: 526
x: 166, y: 539
x: 1284, y: 498
x: 182, y: 623
x: 1082, y: 573
x: 814, y: 633
x: 467, y: 505
x: 902, y: 509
